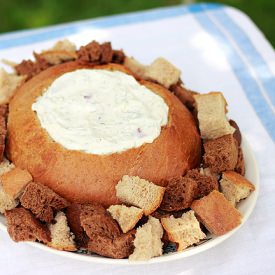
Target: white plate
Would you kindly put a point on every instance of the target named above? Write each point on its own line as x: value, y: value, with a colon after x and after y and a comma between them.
x: 245, y: 207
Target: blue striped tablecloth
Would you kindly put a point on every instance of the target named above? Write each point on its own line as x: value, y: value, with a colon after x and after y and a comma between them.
x: 216, y: 48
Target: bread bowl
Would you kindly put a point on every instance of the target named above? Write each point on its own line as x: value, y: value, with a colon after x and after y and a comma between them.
x: 84, y: 177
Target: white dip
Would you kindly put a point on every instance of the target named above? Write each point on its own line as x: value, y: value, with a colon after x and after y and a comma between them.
x: 100, y: 111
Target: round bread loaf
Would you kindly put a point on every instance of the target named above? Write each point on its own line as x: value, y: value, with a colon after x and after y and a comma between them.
x: 83, y: 177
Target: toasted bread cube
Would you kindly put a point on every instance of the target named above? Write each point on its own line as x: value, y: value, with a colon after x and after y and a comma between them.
x: 55, y: 57
x: 139, y: 192
x: 14, y: 181
x: 163, y: 72
x: 8, y: 85
x: 61, y: 236
x: 64, y: 45
x: 240, y: 166
x: 6, y: 202
x: 137, y: 68
x: 63, y: 50
x: 42, y: 201
x: 235, y: 187
x: 211, y: 109
x: 216, y: 213
x: 127, y: 217
x: 185, y: 231
x: 206, y: 182
x: 179, y: 194
x: 5, y: 166
x: 221, y: 154
x: 118, y: 248
x: 23, y: 226
x: 148, y: 242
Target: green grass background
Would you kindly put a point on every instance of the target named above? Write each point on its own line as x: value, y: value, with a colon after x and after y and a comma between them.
x: 24, y: 14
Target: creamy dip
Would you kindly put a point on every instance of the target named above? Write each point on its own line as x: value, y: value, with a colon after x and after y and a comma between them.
x: 100, y: 111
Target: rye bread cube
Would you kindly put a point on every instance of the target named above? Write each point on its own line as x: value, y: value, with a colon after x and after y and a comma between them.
x: 42, y: 201
x: 179, y: 194
x: 23, y: 226
x: 206, y: 183
x: 221, y: 154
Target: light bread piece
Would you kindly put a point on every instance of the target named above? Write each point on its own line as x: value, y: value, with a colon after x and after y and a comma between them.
x: 137, y: 68
x: 64, y: 45
x: 127, y: 217
x: 6, y: 202
x: 148, y: 242
x: 12, y: 184
x: 212, y: 118
x: 163, y: 72
x: 5, y: 166
x: 139, y: 192
x: 235, y: 187
x: 14, y: 181
x: 57, y: 57
x: 62, y: 51
x: 184, y: 231
x: 8, y: 85
x: 61, y: 236
x: 216, y: 213
x: 9, y: 63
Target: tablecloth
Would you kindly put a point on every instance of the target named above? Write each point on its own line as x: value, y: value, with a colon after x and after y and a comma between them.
x: 217, y: 48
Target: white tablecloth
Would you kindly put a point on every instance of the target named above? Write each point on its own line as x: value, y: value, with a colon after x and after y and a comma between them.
x: 217, y: 48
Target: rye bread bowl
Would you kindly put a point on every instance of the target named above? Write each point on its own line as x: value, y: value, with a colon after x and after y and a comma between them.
x: 83, y: 177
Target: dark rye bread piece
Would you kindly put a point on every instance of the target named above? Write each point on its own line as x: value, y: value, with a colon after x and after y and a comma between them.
x: 42, y: 201
x: 23, y: 226
x: 96, y: 53
x: 3, y: 129
x: 221, y: 154
x: 93, y: 52
x: 184, y: 95
x: 73, y: 217
x: 99, y: 222
x: 240, y: 167
x: 118, y: 56
x: 31, y: 68
x: 206, y: 183
x: 117, y: 248
x: 237, y: 134
x: 179, y: 194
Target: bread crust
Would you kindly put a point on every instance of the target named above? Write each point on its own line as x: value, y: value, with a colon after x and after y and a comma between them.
x: 82, y: 177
